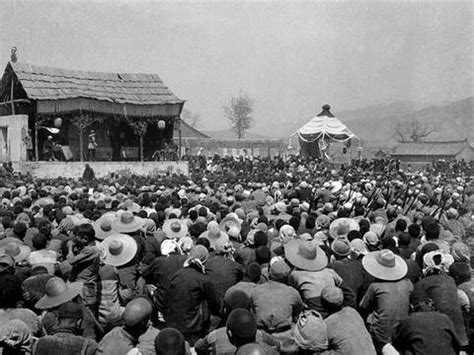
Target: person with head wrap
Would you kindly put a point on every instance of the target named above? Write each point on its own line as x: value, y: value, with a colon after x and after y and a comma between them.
x: 441, y: 288
x: 15, y: 338
x: 161, y: 269
x: 192, y: 297
x: 221, y: 268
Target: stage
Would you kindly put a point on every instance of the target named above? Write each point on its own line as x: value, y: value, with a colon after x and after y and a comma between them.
x: 44, y: 169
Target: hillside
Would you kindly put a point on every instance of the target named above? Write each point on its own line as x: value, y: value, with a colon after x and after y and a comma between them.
x: 230, y: 134
x: 452, y: 121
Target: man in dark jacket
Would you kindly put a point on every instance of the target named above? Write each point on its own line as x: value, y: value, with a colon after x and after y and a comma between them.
x: 191, y: 296
x: 426, y: 332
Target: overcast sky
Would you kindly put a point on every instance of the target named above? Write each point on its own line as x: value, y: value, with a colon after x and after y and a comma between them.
x: 290, y: 57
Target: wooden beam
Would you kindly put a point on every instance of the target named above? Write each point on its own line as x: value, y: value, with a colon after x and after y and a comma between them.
x: 17, y: 101
x: 12, y: 88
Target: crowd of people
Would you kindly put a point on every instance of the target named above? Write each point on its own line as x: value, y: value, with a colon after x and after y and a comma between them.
x: 243, y: 256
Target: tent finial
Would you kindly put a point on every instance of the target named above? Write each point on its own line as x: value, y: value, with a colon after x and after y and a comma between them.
x: 326, y: 107
x: 13, y: 57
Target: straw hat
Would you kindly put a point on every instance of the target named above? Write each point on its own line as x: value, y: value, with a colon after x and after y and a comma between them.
x: 306, y: 255
x: 119, y: 249
x: 213, y: 234
x: 175, y: 228
x: 58, y: 292
x: 127, y: 223
x: 103, y: 227
x: 385, y: 265
x: 342, y: 226
x: 17, y: 251
x: 231, y: 226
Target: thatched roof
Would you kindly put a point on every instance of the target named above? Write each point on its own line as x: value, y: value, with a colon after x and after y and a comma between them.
x: 445, y: 148
x: 139, y: 92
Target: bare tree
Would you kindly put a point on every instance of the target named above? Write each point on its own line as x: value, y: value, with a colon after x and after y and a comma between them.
x: 239, y: 113
x: 412, y: 131
x: 191, y: 118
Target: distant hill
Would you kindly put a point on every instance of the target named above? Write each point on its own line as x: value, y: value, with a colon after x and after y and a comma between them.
x: 230, y: 134
x: 451, y: 121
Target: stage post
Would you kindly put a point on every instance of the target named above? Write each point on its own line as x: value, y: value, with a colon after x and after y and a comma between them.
x: 36, y: 139
x: 141, y: 147
x: 180, y: 136
x: 81, y: 142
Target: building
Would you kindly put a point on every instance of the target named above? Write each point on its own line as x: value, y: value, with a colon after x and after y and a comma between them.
x: 426, y: 152
x: 133, y: 115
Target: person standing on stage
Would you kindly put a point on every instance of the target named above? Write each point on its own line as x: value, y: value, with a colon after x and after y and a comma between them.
x: 91, y: 147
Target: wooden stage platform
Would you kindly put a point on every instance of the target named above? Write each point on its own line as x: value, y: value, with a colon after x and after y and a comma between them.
x: 44, y: 169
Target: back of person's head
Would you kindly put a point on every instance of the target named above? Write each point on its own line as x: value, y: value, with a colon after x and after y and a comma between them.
x: 86, y: 231
x: 404, y: 239
x: 263, y: 255
x: 241, y: 327
x: 294, y: 222
x: 260, y: 239
x: 414, y: 230
x: 460, y: 272
x: 359, y: 211
x: 39, y: 241
x: 20, y: 230
x: 205, y: 242
x: 354, y: 235
x: 401, y: 225
x: 310, y: 222
x: 170, y: 341
x: 136, y: 316
x: 10, y: 291
x: 253, y: 272
x: 432, y: 231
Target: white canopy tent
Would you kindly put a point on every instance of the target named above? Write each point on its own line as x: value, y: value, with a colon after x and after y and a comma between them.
x: 323, y: 129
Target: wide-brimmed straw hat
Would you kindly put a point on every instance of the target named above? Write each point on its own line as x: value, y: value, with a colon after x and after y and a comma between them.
x: 231, y: 226
x: 305, y: 255
x: 127, y: 223
x: 118, y: 249
x: 385, y: 265
x: 342, y: 226
x: 58, y: 292
x: 17, y: 251
x: 103, y: 227
x: 175, y: 228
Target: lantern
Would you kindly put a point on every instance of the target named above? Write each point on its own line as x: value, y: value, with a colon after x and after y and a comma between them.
x: 58, y: 122
x: 161, y: 125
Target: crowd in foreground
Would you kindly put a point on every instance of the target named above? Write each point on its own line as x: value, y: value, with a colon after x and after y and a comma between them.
x: 281, y: 256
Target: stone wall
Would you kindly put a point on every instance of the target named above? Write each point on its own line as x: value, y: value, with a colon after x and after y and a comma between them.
x: 102, y: 169
x: 14, y: 148
x: 234, y: 147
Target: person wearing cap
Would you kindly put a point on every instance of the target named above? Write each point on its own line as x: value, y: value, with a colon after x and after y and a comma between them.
x: 91, y: 146
x: 276, y: 317
x: 136, y: 321
x: 84, y: 257
x: 386, y: 301
x: 346, y: 330
x: 67, y: 338
x: 48, y: 146
x: 190, y: 289
x: 348, y: 264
